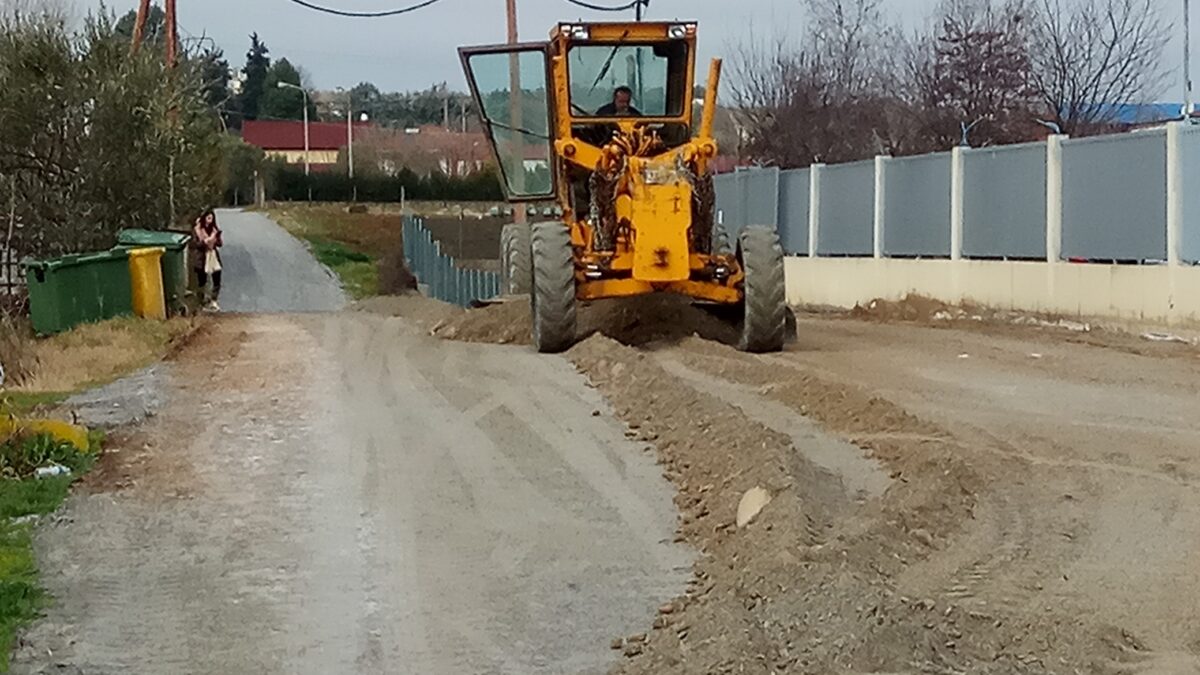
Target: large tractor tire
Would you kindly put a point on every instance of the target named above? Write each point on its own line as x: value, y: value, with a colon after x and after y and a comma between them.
x: 516, y: 268
x: 553, y: 296
x: 764, y: 302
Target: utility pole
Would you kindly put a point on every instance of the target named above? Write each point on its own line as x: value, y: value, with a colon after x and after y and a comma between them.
x: 446, y: 108
x: 172, y: 35
x: 139, y: 26
x: 172, y: 59
x: 514, y: 78
x: 638, y: 8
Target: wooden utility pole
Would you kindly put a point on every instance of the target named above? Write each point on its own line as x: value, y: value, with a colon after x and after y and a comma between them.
x: 172, y: 48
x: 514, y: 78
x: 139, y: 26
x: 172, y: 35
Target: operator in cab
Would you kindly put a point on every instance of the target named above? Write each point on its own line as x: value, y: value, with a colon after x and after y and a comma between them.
x: 621, y: 106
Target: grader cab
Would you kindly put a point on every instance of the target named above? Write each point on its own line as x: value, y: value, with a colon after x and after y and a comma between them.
x: 601, y: 119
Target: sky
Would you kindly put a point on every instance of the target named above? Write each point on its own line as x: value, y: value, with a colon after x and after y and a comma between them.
x: 413, y: 51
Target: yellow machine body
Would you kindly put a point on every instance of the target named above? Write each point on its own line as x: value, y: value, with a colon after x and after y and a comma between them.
x: 653, y: 162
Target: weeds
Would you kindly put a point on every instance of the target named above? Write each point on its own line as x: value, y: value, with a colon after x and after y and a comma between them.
x: 22, y: 456
x: 20, y: 596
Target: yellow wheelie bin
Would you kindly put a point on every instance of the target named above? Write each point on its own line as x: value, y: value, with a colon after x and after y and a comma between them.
x: 145, y: 272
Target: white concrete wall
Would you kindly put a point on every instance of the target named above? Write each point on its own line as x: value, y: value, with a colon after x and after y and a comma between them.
x: 1168, y: 294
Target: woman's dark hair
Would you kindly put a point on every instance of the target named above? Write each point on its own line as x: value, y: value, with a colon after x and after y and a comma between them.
x: 205, y: 214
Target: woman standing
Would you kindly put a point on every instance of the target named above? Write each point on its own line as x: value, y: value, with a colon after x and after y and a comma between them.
x: 206, y: 240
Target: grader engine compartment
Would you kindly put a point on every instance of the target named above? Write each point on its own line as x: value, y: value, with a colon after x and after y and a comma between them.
x: 601, y: 118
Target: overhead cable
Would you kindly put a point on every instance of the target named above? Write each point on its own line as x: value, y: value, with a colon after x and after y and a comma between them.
x: 364, y: 15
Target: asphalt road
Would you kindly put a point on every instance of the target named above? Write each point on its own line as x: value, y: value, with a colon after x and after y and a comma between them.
x: 340, y: 493
x: 267, y: 270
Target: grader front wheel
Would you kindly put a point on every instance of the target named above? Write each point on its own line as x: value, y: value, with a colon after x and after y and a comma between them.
x: 516, y: 272
x: 553, y: 296
x: 764, y: 304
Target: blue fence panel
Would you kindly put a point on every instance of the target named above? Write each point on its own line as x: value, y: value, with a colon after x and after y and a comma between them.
x: 730, y: 198
x: 795, y: 187
x: 847, y: 209
x: 1115, y: 197
x: 917, y: 206
x: 1004, y: 202
x: 1189, y: 240
x: 440, y: 274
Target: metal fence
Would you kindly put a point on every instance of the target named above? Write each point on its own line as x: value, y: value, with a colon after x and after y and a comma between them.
x: 1126, y: 198
x: 440, y: 273
x: 1189, y: 241
x: 1004, y: 202
x: 845, y: 197
x: 916, y: 206
x: 1115, y: 197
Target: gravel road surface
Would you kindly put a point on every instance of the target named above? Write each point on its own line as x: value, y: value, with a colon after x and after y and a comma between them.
x: 267, y: 270
x: 340, y: 493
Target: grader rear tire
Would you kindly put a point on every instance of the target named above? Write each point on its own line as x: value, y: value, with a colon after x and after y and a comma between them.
x: 516, y: 269
x: 764, y: 303
x: 553, y: 296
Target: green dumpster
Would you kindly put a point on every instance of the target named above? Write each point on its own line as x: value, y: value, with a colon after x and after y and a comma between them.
x: 174, y: 260
x: 75, y: 289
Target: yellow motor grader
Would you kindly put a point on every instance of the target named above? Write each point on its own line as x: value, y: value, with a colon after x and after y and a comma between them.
x: 600, y: 118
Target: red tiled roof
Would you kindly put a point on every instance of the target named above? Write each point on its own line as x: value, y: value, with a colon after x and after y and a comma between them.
x: 289, y: 135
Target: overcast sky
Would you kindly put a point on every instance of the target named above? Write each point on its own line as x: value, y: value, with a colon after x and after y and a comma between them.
x: 412, y: 51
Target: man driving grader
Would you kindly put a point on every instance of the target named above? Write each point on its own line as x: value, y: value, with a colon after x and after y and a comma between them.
x: 632, y: 178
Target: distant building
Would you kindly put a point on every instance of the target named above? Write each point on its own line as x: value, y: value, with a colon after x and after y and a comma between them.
x: 425, y: 150
x: 284, y: 139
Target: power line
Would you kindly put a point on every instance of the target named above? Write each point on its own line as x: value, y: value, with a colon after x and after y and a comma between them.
x: 601, y: 8
x: 364, y: 15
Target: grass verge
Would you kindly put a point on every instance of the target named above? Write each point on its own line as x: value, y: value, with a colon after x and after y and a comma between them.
x: 95, y: 354
x: 52, y: 369
x: 21, y: 595
x: 358, y: 247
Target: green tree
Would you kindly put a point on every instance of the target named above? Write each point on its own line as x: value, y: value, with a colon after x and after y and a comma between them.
x: 214, y: 69
x: 285, y: 103
x: 242, y: 162
x: 96, y: 139
x: 258, y: 65
x: 155, y: 31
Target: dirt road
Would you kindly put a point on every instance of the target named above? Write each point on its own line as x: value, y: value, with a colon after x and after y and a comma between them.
x: 338, y: 493
x: 342, y: 492
x: 994, y: 499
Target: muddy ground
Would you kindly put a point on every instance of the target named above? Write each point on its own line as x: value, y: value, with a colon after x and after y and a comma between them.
x: 1009, y: 498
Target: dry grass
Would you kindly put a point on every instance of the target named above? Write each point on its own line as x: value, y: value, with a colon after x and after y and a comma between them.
x: 16, y: 349
x: 94, y: 354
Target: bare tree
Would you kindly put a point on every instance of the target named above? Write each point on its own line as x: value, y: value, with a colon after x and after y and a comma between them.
x: 972, y: 74
x: 822, y: 100
x: 1090, y: 55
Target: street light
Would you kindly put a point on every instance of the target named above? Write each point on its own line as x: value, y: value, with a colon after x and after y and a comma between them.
x: 289, y: 85
x: 1187, y: 61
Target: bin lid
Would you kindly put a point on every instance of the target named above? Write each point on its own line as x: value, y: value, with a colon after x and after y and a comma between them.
x: 136, y: 237
x: 76, y: 259
x: 146, y: 251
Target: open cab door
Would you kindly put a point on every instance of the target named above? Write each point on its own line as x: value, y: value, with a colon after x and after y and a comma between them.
x: 510, y: 85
